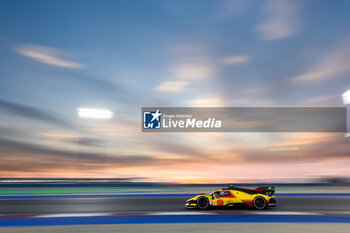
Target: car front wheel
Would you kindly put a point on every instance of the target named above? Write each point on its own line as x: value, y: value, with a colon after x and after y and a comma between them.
x: 202, y: 203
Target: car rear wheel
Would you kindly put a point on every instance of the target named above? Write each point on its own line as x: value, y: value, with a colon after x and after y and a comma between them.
x: 259, y: 203
x: 202, y: 203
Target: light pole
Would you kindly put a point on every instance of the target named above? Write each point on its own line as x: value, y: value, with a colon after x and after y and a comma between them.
x: 95, y: 113
x: 346, y: 102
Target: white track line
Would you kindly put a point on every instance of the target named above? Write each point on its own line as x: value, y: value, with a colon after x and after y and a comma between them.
x: 68, y: 215
x: 283, y: 213
x: 181, y: 213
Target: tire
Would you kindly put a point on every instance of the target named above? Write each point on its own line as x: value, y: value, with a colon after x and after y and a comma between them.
x: 202, y: 203
x: 259, y: 203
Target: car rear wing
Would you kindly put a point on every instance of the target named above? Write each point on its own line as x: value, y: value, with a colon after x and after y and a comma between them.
x: 268, y: 191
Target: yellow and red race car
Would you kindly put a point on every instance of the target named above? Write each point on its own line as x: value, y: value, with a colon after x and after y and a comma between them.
x: 259, y: 198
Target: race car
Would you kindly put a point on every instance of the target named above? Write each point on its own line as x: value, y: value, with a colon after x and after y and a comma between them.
x: 259, y: 198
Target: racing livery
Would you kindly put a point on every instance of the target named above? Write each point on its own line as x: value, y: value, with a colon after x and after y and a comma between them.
x: 259, y: 198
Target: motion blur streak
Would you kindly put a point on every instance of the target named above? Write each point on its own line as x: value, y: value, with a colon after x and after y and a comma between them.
x: 74, y: 76
x: 189, y: 227
x: 172, y: 218
x: 122, y: 56
x: 131, y: 204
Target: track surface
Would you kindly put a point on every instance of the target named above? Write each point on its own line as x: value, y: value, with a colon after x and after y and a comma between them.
x: 152, y: 204
x: 189, y: 227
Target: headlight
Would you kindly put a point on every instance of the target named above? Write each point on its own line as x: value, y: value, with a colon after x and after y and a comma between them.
x: 190, y: 201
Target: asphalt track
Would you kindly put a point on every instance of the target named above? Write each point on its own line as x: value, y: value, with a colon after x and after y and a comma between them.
x: 30, y: 211
x: 157, y: 203
x: 188, y: 227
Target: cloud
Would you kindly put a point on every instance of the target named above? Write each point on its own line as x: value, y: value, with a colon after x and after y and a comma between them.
x: 206, y: 102
x: 331, y: 65
x: 73, y: 139
x: 106, y: 87
x: 193, y: 71
x: 258, y: 89
x: 29, y: 148
x: 84, y: 141
x: 182, y: 74
x: 281, y: 20
x: 322, y: 101
x: 13, y: 132
x: 46, y: 55
x: 57, y: 135
x: 33, y: 113
x: 232, y: 60
x: 172, y: 86
x: 230, y: 8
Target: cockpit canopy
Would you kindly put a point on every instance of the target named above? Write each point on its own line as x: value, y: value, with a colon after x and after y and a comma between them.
x: 220, y: 193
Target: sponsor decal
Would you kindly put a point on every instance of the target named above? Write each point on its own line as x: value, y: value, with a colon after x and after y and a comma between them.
x: 220, y: 202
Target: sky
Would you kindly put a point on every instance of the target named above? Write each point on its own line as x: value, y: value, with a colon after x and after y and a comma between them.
x: 57, y: 56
